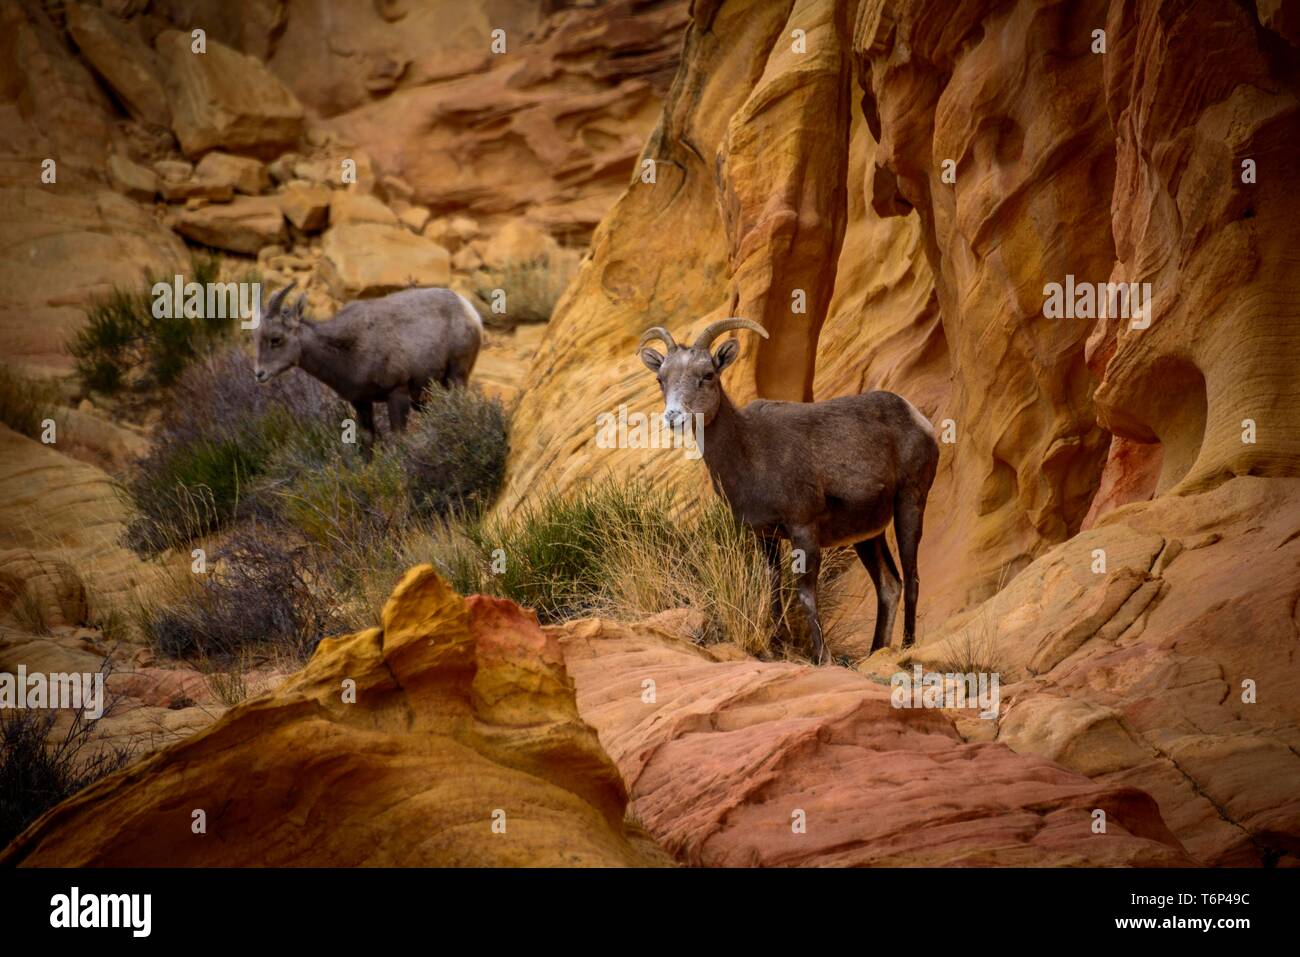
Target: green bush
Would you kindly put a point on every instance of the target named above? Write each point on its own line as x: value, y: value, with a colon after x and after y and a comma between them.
x: 453, y: 451
x: 628, y: 551
x: 123, y: 344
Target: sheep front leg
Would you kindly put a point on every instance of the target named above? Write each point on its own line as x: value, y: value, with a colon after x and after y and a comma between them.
x: 805, y: 541
x: 771, y: 544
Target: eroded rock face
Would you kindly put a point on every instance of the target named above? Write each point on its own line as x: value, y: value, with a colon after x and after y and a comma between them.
x: 551, y: 128
x: 1156, y: 650
x: 223, y: 99
x: 464, y: 716
x: 741, y: 763
x: 63, y: 247
x: 120, y: 56
x: 927, y: 277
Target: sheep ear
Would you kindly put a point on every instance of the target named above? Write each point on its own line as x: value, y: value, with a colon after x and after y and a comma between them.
x: 653, y: 360
x: 300, y: 307
x: 726, y: 354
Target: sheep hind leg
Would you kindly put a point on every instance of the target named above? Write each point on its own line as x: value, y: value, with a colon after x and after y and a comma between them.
x: 399, y: 406
x: 366, y: 426
x: 908, y: 521
x: 771, y: 544
x: 418, y: 390
x: 806, y: 542
x: 879, y: 563
x: 457, y: 373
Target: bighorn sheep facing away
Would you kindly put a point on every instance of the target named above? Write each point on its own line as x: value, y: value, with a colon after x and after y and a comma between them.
x: 376, y: 350
x: 818, y: 473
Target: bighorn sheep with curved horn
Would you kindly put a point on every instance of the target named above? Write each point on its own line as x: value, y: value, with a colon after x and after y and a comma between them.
x: 376, y: 350
x: 835, y: 472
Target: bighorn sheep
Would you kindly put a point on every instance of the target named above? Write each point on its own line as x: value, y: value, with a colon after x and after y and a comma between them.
x: 818, y: 473
x: 376, y: 350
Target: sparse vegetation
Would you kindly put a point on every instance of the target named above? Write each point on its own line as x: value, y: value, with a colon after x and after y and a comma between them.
x: 25, y: 403
x: 29, y: 612
x: 302, y: 527
x: 261, y: 589
x: 974, y: 650
x: 39, y: 766
x: 229, y: 449
x: 533, y: 287
x: 123, y: 345
x: 453, y: 452
x: 626, y: 550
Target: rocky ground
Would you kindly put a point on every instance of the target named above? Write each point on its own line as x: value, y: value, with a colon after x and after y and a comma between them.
x: 1101, y: 532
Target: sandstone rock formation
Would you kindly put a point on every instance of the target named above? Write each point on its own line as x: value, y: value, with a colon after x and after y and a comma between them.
x: 363, y: 260
x: 242, y: 226
x: 118, y: 54
x: 62, y: 248
x: 1146, y: 652
x: 947, y: 302
x: 813, y: 190
x: 742, y: 763
x: 224, y: 99
x: 463, y: 747
x: 549, y: 128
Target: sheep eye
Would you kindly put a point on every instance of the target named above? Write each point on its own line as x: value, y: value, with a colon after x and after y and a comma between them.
x: 276, y: 340
x: 708, y: 377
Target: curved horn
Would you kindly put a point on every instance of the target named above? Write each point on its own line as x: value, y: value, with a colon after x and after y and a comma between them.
x: 277, y: 297
x: 660, y: 333
x: 715, y: 329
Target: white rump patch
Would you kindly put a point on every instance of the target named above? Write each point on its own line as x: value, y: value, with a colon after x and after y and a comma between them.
x: 473, y: 313
x: 921, y: 420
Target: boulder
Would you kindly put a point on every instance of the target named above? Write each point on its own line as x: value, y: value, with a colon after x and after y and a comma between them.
x: 350, y: 207
x: 462, y: 746
x: 517, y: 243
x: 414, y: 218
x: 223, y: 99
x: 281, y: 168
x: 131, y: 178
x: 118, y: 54
x: 242, y: 226
x: 323, y: 171
x: 466, y: 260
x: 361, y: 260
x: 243, y: 174
x: 306, y: 206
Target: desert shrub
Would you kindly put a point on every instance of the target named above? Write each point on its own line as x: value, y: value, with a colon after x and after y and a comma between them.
x: 627, y: 550
x: 228, y: 448
x: 453, y: 451
x: 261, y: 589
x: 533, y: 288
x: 25, y: 403
x: 556, y: 547
x: 352, y: 512
x: 123, y: 343
x: 39, y: 768
x: 220, y: 432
